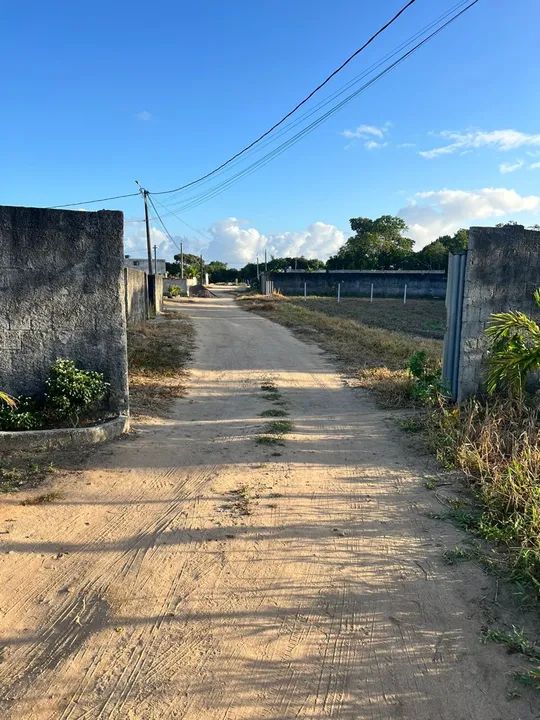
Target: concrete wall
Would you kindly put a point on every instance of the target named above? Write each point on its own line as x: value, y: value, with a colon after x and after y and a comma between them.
x: 136, y: 296
x: 184, y: 284
x: 502, y: 271
x: 159, y: 267
x: 158, y: 286
x: 386, y: 283
x: 61, y: 295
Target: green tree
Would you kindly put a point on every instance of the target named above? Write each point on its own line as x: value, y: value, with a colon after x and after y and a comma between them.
x: 376, y: 245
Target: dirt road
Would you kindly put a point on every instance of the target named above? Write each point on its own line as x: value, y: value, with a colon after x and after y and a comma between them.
x: 191, y: 572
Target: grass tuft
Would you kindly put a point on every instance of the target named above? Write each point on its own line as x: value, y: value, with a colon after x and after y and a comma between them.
x: 43, y: 499
x: 274, y: 412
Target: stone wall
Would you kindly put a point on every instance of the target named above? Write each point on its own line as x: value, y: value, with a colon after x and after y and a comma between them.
x: 136, y: 296
x: 61, y: 295
x: 386, y: 283
x: 502, y: 271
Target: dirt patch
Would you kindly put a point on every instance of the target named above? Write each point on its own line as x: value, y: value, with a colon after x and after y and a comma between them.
x: 158, y: 352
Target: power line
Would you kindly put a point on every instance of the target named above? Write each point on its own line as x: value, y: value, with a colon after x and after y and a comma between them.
x: 186, y: 202
x: 90, y: 202
x: 164, y: 226
x: 171, y: 212
x: 349, y: 84
x: 296, y: 107
x: 194, y: 201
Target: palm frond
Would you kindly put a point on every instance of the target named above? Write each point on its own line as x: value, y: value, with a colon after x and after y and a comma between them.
x: 7, y: 399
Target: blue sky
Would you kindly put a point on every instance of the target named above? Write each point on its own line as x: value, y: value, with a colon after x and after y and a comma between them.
x: 96, y: 96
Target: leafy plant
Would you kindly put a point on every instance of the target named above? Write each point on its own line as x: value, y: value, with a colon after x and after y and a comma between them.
x: 174, y: 291
x: 426, y: 385
x: 515, y: 350
x: 70, y: 391
x: 21, y: 414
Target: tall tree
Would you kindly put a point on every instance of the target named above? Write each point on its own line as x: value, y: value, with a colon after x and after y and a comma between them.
x: 376, y: 245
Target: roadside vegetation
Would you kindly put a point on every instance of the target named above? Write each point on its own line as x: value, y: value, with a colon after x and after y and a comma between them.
x: 71, y: 397
x: 158, y: 352
x: 495, y: 441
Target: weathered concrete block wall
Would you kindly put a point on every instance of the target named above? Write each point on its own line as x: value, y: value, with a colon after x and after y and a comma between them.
x: 159, y: 292
x: 136, y: 296
x: 386, y: 283
x: 502, y: 271
x: 61, y: 295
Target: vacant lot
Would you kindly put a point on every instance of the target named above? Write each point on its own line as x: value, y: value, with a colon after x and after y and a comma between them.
x: 426, y: 318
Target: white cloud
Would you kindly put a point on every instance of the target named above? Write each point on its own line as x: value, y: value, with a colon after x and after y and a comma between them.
x: 472, y: 139
x: 534, y: 166
x: 236, y: 244
x: 440, y: 212
x: 233, y: 241
x: 135, y: 240
x: 372, y: 135
x: 374, y: 145
x: 144, y: 115
x: 508, y: 167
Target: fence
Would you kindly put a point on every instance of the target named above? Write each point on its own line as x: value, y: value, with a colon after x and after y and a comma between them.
x: 360, y: 283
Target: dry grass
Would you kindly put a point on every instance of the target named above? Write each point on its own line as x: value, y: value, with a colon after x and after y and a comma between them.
x: 425, y: 318
x: 157, y: 356
x: 377, y: 357
x: 497, y: 444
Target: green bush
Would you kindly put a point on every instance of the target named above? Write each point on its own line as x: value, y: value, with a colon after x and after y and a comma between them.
x: 174, y: 291
x: 426, y: 374
x: 20, y: 414
x: 71, y: 392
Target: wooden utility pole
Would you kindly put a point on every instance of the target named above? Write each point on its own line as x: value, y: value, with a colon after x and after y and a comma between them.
x: 182, y: 260
x: 147, y: 223
x: 151, y: 279
x: 155, y: 258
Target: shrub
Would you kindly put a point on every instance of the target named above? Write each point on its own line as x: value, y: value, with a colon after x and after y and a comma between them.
x: 426, y: 374
x: 71, y: 392
x: 21, y: 414
x: 174, y: 291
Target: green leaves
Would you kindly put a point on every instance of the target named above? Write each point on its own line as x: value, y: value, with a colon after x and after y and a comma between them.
x: 69, y: 394
x: 71, y: 391
x: 515, y: 350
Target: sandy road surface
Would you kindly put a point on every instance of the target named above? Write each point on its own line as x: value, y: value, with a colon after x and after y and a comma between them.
x: 146, y: 593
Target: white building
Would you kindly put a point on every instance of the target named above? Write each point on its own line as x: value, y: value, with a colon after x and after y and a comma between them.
x: 142, y: 264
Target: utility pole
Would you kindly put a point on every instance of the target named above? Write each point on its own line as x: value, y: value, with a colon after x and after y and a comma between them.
x: 202, y: 271
x: 155, y: 258
x: 182, y: 260
x: 151, y: 280
x: 147, y: 223
x: 258, y: 276
x: 265, y: 263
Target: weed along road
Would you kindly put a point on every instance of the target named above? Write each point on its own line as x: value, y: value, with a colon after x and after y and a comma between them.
x: 263, y: 551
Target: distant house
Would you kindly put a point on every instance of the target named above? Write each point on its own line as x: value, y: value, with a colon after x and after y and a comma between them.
x: 142, y: 264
